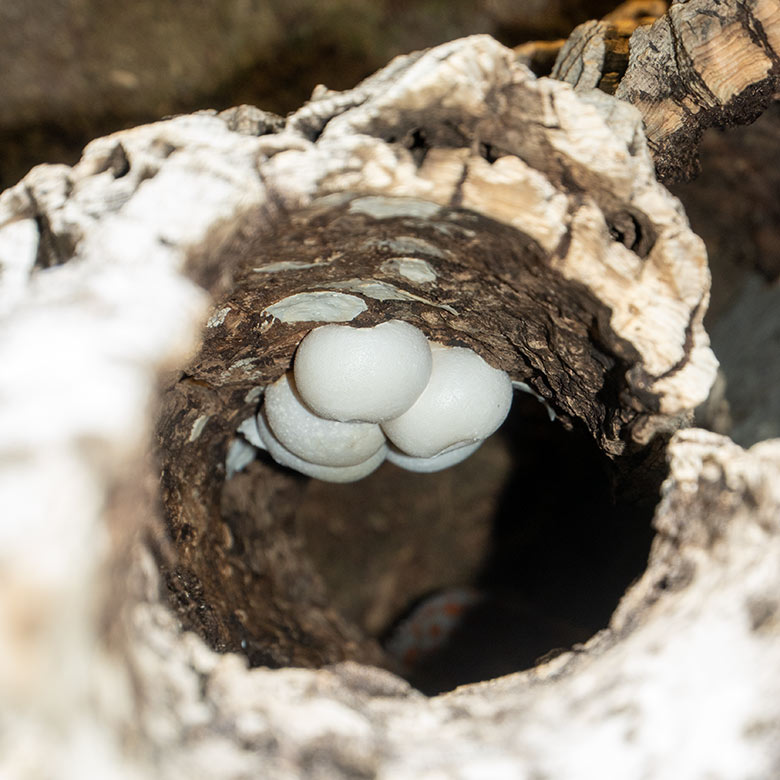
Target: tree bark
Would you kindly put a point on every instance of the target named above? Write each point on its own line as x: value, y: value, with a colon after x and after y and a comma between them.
x: 700, y: 65
x: 150, y: 293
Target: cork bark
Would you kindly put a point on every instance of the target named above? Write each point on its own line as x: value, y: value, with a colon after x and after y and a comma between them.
x: 173, y: 614
x: 699, y: 65
x: 544, y: 244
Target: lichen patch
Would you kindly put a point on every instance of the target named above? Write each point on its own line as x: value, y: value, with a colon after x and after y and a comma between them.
x: 198, y: 426
x: 317, y: 307
x: 288, y: 265
x: 380, y: 207
x: 218, y: 317
x: 411, y: 268
x: 384, y: 291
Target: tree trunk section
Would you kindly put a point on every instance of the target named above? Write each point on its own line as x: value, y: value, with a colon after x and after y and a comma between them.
x: 169, y: 594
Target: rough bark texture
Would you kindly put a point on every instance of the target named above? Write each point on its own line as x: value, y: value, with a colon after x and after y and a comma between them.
x: 700, y: 65
x: 555, y: 254
x: 677, y: 79
x: 526, y: 295
x: 637, y: 699
x: 596, y: 54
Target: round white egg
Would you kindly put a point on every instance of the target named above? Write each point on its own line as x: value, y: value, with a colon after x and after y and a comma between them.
x: 464, y: 402
x: 313, y: 438
x: 435, y: 463
x: 367, y: 374
x: 284, y: 457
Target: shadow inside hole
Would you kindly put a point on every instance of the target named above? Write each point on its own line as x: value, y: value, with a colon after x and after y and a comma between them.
x: 534, y: 524
x: 567, y: 541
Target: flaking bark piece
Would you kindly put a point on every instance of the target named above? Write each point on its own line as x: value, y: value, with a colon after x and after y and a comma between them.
x: 701, y: 64
x: 595, y: 55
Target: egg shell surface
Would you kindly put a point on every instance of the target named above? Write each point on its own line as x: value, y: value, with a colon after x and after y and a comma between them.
x: 284, y: 457
x: 464, y: 402
x: 362, y: 374
x: 314, y: 438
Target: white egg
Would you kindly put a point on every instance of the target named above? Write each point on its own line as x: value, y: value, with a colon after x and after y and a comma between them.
x: 366, y: 374
x: 326, y: 473
x: 464, y: 402
x: 435, y: 463
x: 313, y: 438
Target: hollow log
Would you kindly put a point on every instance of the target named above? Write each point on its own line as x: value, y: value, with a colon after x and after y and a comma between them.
x: 164, y: 611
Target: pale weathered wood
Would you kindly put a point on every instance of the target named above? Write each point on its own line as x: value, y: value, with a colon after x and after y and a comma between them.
x: 596, y: 54
x: 701, y: 64
x: 133, y: 309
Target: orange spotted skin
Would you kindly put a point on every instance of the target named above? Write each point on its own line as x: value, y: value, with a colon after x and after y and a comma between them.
x: 430, y: 624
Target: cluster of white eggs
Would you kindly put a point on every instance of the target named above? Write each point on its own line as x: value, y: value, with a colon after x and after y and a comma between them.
x: 358, y: 396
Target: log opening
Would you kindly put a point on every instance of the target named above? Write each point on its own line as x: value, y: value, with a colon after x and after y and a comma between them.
x: 543, y: 520
x: 529, y: 546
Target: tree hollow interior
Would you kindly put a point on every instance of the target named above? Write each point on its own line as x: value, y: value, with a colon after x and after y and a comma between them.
x: 547, y: 528
x: 537, y: 521
x: 533, y: 521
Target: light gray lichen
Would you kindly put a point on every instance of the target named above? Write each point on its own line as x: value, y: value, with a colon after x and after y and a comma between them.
x: 411, y: 268
x: 380, y: 207
x: 317, y: 307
